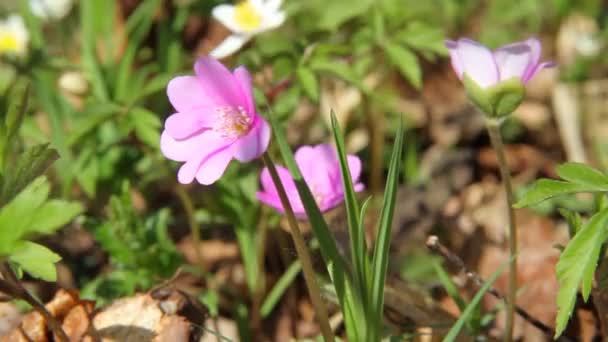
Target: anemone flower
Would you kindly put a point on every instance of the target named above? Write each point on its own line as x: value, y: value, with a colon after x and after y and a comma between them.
x: 51, y: 9
x: 14, y: 37
x: 245, y: 20
x: 215, y: 121
x: 320, y: 168
x: 487, y: 68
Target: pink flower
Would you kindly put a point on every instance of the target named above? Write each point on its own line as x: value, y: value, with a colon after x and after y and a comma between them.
x: 215, y: 121
x: 518, y: 60
x: 320, y: 168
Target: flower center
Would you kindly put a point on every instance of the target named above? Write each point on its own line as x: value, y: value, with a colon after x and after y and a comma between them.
x: 246, y: 16
x: 232, y: 122
x: 8, y: 42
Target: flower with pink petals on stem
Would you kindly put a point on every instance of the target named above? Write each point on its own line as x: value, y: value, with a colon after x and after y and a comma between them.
x: 320, y: 168
x: 215, y: 121
x: 519, y: 60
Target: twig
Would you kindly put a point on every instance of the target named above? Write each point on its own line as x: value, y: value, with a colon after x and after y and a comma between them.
x: 303, y: 254
x: 10, y: 285
x: 433, y: 244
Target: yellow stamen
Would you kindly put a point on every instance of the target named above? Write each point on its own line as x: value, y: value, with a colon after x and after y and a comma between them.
x: 246, y: 16
x: 8, y: 43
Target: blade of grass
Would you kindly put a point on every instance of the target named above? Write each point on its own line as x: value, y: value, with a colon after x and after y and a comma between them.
x: 471, y: 307
x: 356, y: 233
x: 382, y: 245
x: 279, y: 288
x: 338, y: 268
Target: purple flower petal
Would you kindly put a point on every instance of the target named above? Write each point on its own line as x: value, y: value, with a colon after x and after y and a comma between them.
x: 514, y: 60
x: 184, y: 124
x: 254, y: 143
x: 193, y: 147
x: 243, y: 79
x: 214, y: 165
x: 457, y: 64
x: 477, y: 62
x: 186, y: 93
x: 218, y: 83
x: 354, y: 166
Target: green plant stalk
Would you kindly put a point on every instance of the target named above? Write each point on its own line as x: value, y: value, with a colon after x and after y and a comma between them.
x: 194, y: 227
x: 493, y: 127
x: 302, y: 251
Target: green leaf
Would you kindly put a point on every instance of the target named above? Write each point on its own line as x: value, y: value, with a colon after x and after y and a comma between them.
x: 11, y: 122
x: 337, y: 267
x: 36, y: 259
x: 16, y: 216
x: 336, y: 12
x: 382, y: 245
x: 582, y: 174
x: 147, y: 126
x: 406, y: 61
x: 576, y: 266
x: 339, y: 69
x: 31, y: 164
x: 309, y: 82
x: 472, y: 306
x: 356, y: 231
x: 544, y: 189
x: 422, y: 36
x: 279, y: 288
x: 53, y: 215
x: 573, y: 219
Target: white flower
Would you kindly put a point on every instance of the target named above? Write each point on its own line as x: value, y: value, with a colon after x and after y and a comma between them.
x: 246, y: 19
x: 13, y: 36
x: 51, y: 9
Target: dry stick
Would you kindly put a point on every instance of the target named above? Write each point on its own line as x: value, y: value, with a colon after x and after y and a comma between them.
x: 11, y: 285
x: 303, y: 255
x: 496, y: 139
x: 433, y: 244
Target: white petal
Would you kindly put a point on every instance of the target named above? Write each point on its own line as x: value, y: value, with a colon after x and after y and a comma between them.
x: 272, y: 21
x: 225, y: 15
x: 273, y: 5
x: 229, y: 46
x: 477, y: 62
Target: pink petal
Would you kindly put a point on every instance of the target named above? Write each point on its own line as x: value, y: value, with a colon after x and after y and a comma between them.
x: 513, y: 60
x: 191, y: 148
x: 184, y: 124
x: 359, y: 187
x: 286, y: 179
x: 318, y: 166
x: 538, y: 68
x: 254, y: 143
x: 243, y: 78
x: 477, y: 62
x: 454, y: 57
x: 188, y: 170
x: 354, y: 166
x: 214, y: 165
x: 186, y: 93
x: 270, y: 200
x: 218, y: 83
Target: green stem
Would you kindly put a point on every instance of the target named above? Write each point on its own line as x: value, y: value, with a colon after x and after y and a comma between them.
x: 194, y: 227
x: 496, y: 139
x: 303, y: 255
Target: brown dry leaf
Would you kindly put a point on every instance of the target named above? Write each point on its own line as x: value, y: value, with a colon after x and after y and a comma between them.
x: 537, y: 257
x: 213, y: 252
x: 9, y: 318
x: 141, y: 318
